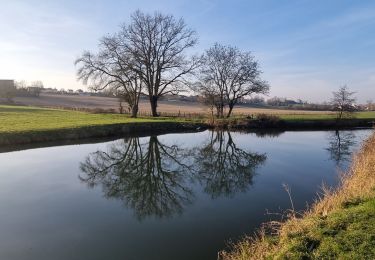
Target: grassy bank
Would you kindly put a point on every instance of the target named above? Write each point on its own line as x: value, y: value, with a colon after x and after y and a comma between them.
x: 325, y: 116
x: 341, y: 225
x: 21, y: 125
x: 17, y: 119
x: 295, y: 121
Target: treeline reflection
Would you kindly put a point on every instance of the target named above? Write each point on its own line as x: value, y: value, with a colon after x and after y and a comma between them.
x: 155, y: 179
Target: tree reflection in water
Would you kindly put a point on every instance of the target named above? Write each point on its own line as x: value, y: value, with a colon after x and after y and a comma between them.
x: 340, y: 146
x: 153, y: 178
x: 225, y: 169
x: 149, y: 176
x: 273, y: 133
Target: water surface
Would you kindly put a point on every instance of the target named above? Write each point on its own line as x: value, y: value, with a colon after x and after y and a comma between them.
x: 174, y: 196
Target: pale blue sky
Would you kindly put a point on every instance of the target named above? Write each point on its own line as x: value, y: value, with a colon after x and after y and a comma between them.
x: 306, y: 48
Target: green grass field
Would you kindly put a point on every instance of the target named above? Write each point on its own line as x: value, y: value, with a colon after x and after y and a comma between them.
x: 30, y: 119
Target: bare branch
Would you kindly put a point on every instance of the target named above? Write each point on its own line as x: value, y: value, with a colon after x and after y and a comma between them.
x: 230, y: 74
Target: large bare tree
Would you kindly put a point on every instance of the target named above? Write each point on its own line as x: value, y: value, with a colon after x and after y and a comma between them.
x: 112, y: 67
x: 158, y: 43
x: 233, y: 73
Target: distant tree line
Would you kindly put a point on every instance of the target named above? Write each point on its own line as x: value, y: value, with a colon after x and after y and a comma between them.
x: 21, y: 88
x: 285, y: 103
x: 32, y: 89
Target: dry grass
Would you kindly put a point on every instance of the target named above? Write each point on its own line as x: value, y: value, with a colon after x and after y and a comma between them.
x: 169, y: 108
x: 175, y: 107
x: 357, y: 186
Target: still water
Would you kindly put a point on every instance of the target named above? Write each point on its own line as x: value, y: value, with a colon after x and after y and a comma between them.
x: 174, y: 196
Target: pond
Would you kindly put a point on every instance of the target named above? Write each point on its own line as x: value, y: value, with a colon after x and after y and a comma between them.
x: 173, y: 196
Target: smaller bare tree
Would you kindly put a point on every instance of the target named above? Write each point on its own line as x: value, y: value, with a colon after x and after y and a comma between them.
x: 112, y: 68
x: 343, y: 102
x: 208, y: 97
x: 212, y: 101
x: 231, y: 74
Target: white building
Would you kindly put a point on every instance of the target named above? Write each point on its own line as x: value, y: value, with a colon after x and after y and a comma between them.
x: 7, y: 89
x: 6, y: 83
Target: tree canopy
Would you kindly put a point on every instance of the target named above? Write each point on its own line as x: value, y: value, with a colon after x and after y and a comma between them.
x: 229, y: 74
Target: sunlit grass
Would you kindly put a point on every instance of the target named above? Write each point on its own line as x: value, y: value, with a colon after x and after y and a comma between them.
x: 23, y: 119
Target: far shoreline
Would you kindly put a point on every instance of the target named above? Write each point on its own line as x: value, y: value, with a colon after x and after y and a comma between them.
x: 22, y: 125
x: 102, y: 133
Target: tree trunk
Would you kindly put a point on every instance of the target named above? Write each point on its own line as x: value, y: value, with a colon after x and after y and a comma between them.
x: 339, y: 116
x: 220, y: 111
x: 212, y: 115
x: 121, y: 108
x: 231, y: 105
x: 217, y: 111
x: 134, y: 111
x: 154, y: 105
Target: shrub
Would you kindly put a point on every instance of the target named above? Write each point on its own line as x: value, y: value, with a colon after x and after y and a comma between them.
x: 267, y: 118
